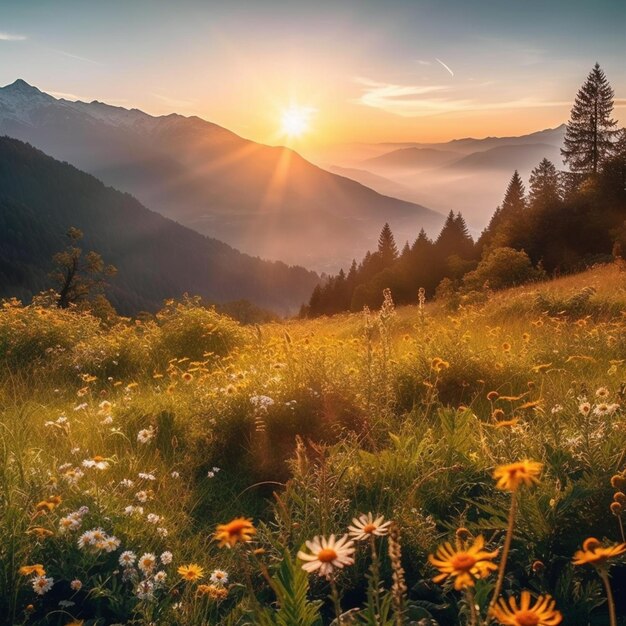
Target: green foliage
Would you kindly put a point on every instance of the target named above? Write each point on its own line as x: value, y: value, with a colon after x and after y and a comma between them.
x: 291, y: 586
x: 502, y: 268
x: 188, y: 330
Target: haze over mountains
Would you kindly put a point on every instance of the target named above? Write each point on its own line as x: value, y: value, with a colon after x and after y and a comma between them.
x: 156, y: 258
x: 467, y: 175
x: 265, y: 201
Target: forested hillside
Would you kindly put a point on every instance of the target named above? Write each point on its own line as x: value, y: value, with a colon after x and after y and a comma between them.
x: 156, y: 258
x: 567, y: 221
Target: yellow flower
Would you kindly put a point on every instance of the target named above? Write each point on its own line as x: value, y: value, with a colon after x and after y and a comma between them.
x: 238, y: 530
x: 542, y: 613
x: 37, y: 569
x: 191, y: 572
x: 213, y: 591
x: 39, y: 532
x: 510, y: 477
x: 465, y: 565
x: 49, y: 504
x: 594, y: 553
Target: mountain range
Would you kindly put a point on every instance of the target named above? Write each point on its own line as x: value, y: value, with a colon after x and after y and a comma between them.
x: 468, y: 175
x: 263, y: 200
x: 156, y: 258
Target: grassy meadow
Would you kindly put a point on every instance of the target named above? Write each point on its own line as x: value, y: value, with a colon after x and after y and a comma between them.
x: 124, y: 446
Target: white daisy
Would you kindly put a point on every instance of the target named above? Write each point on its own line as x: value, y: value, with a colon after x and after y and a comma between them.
x: 366, y: 526
x: 327, y: 554
x: 42, y: 585
x: 166, y: 557
x: 127, y: 558
x: 145, y: 435
x: 147, y: 562
x: 219, y: 577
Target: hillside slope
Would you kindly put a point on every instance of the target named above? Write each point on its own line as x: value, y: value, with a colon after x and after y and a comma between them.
x: 40, y: 198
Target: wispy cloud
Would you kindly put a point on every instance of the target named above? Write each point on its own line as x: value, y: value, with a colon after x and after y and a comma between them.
x: 174, y: 102
x: 427, y: 100
x: 65, y: 95
x: 11, y: 37
x: 78, y: 57
x: 446, y: 67
x: 406, y: 100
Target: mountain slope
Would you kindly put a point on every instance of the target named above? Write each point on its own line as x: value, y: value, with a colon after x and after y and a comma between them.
x: 40, y: 198
x: 412, y: 158
x: 520, y: 157
x: 264, y: 200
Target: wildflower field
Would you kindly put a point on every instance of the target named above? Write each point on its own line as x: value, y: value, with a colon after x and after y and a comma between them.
x: 419, y: 465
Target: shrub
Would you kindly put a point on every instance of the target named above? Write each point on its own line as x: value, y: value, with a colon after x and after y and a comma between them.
x: 503, y: 267
x: 188, y: 330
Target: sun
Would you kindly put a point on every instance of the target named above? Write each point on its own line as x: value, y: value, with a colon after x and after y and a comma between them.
x: 296, y: 120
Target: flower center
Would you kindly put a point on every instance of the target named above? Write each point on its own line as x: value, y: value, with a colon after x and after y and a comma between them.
x: 327, y: 555
x: 369, y: 528
x: 527, y: 618
x: 463, y: 561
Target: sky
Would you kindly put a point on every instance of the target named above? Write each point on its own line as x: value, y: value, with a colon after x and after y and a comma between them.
x: 358, y: 70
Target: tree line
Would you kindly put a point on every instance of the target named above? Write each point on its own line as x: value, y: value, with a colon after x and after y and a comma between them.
x: 566, y: 221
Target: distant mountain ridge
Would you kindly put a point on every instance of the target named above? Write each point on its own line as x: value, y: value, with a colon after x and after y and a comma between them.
x: 156, y: 258
x: 267, y: 201
x: 468, y: 175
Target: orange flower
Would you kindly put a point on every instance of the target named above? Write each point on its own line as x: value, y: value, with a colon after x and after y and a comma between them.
x: 542, y: 613
x: 49, y: 504
x: 594, y: 553
x: 27, y: 570
x: 213, y: 591
x: 191, y: 572
x: 510, y: 477
x: 40, y: 533
x: 238, y: 530
x: 465, y: 565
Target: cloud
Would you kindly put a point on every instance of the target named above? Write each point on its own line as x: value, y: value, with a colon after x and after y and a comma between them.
x: 11, y: 37
x: 173, y: 102
x: 65, y: 95
x: 405, y: 100
x: 75, y: 56
x: 445, y: 66
x: 427, y: 100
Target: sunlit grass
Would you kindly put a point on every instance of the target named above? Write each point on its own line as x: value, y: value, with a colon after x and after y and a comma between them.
x: 404, y: 415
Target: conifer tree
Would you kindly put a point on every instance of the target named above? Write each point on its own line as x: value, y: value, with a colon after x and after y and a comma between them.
x: 590, y: 130
x: 387, y: 248
x: 544, y: 185
x: 514, y: 199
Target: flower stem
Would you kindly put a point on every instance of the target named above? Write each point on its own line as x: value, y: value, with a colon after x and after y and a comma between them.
x: 375, y: 570
x: 621, y: 528
x: 469, y: 596
x: 604, y: 575
x: 335, y: 598
x: 505, y: 550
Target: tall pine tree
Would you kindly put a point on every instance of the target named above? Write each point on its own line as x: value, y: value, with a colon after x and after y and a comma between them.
x: 387, y: 248
x: 590, y: 130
